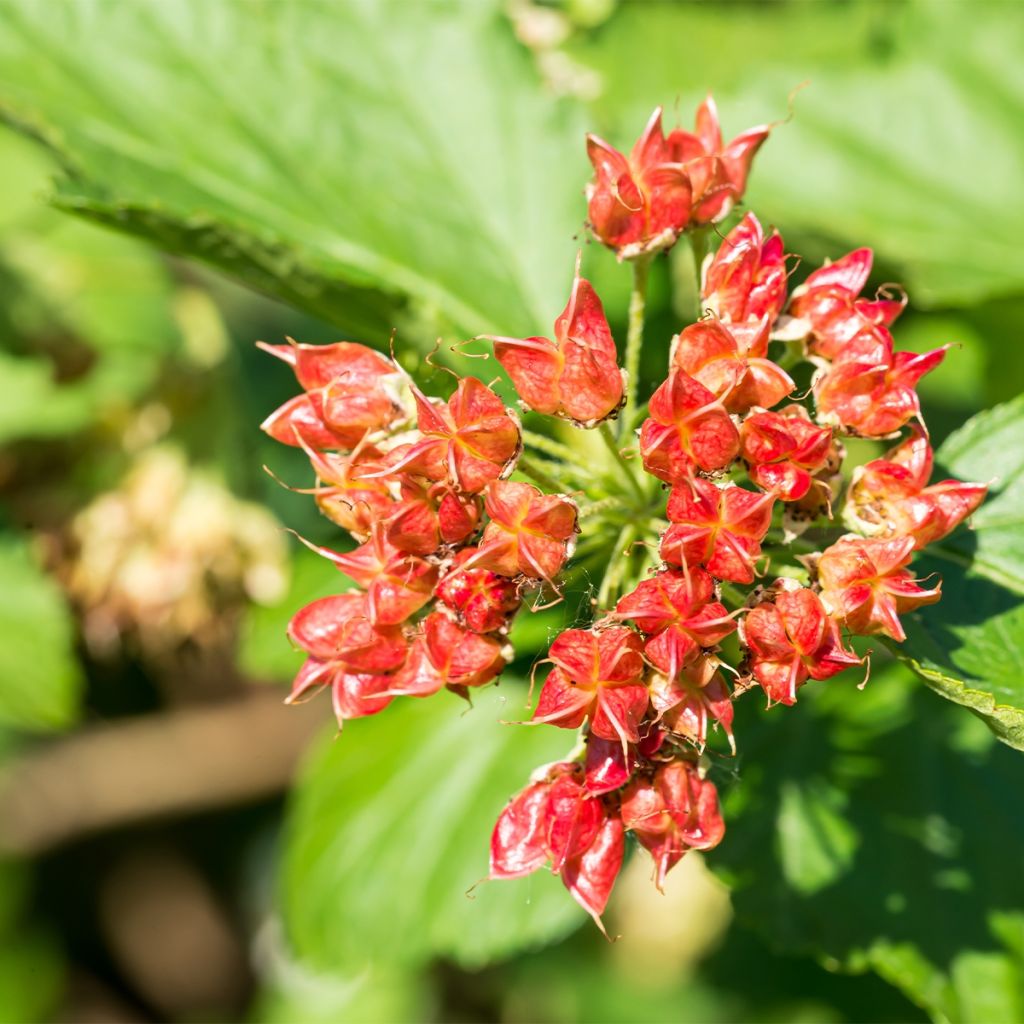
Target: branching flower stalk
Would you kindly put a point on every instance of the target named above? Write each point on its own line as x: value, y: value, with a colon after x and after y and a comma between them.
x: 732, y: 477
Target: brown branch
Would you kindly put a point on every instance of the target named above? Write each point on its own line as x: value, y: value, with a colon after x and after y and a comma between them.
x: 161, y: 765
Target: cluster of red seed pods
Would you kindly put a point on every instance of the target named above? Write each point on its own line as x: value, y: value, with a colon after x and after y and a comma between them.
x: 448, y: 543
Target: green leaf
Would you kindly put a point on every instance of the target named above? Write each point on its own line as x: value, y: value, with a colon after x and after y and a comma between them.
x: 815, y: 842
x: 904, y: 138
x: 967, y: 646
x: 902, y: 851
x: 85, y: 316
x: 389, y: 829
x: 334, y: 155
x: 40, y: 679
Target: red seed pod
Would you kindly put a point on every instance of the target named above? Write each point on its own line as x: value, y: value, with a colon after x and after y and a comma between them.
x: 343, y: 494
x: 671, y: 813
x: 598, y: 674
x: 574, y: 819
x: 397, y: 584
x: 870, y: 389
x: 577, y: 375
x: 445, y: 654
x: 483, y: 601
x: 865, y: 586
x: 607, y: 765
x: 717, y: 172
x: 720, y: 528
x: 783, y: 450
x: 429, y: 515
x: 591, y: 875
x: 687, y: 427
x: 676, y: 610
x: 351, y: 391
x: 519, y: 842
x: 357, y: 696
x: 340, y: 630
x: 890, y: 497
x: 529, y: 533
x: 640, y: 204
x: 746, y: 279
x: 471, y: 441
x: 827, y: 311
x: 790, y: 639
x: 691, y: 699
x: 461, y: 657
x: 731, y: 362
x: 348, y: 653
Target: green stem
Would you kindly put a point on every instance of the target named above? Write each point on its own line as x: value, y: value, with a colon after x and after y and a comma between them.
x: 612, y: 444
x: 699, y: 243
x: 620, y: 557
x: 635, y: 341
x: 597, y: 507
x: 549, y: 446
x: 538, y: 476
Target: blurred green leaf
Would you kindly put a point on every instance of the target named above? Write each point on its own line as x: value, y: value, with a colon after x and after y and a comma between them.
x: 85, y: 316
x: 924, y: 884
x: 40, y: 680
x: 330, y: 154
x: 31, y: 976
x: 389, y: 829
x: 905, y: 137
x: 968, y: 646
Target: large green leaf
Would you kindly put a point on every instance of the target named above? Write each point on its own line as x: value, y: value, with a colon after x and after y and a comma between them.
x: 330, y: 154
x: 968, y: 646
x: 40, y: 680
x: 389, y: 830
x: 880, y: 830
x: 906, y: 137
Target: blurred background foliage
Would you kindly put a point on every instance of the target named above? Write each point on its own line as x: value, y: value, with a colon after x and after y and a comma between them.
x: 342, y: 170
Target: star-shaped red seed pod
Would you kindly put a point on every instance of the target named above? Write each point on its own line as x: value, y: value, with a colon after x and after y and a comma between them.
x: 598, y: 675
x: 826, y: 308
x: 429, y: 515
x: 640, y: 204
x: 577, y: 375
x: 343, y: 492
x: 445, y: 654
x: 890, y: 497
x: 717, y: 171
x: 677, y: 611
x: 686, y: 427
x: 529, y: 533
x: 397, y: 584
x: 870, y: 389
x: 791, y: 638
x: 731, y: 362
x: 351, y: 391
x: 671, y: 813
x: 864, y: 584
x: 482, y: 600
x: 470, y: 441
x: 720, y: 528
x: 687, y: 702
x: 746, y: 279
x: 783, y: 450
